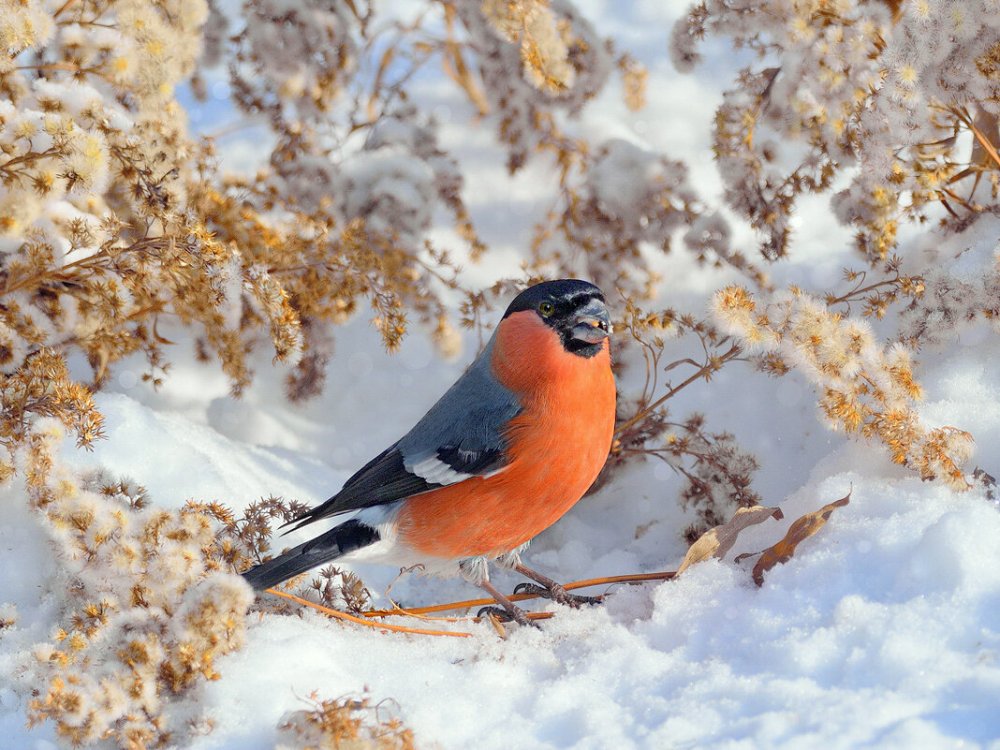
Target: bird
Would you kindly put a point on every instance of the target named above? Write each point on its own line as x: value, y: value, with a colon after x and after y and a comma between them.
x: 509, y: 448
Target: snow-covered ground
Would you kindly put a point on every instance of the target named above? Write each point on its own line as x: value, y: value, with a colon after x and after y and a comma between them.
x: 883, y: 631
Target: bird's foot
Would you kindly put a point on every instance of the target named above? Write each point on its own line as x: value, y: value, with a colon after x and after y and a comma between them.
x: 514, y: 614
x: 557, y: 593
x: 507, y: 611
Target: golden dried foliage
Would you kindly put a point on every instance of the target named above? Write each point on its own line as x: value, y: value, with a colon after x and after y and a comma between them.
x: 150, y: 610
x: 344, y: 724
x: 635, y: 79
x: 865, y: 389
x: 151, y: 607
x: 533, y: 26
x: 854, y: 85
x: 117, y: 225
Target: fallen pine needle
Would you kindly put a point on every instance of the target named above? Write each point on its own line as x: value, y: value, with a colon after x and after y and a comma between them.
x: 361, y: 621
x: 416, y: 611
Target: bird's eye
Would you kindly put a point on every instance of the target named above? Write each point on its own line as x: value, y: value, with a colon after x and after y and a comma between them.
x: 546, y: 309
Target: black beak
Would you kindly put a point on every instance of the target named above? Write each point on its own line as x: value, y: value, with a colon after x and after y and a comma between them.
x: 591, y: 323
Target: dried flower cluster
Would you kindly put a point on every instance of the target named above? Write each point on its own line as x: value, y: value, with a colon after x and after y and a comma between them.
x: 884, y: 86
x: 959, y: 290
x: 246, y: 540
x: 615, y: 196
x: 719, y: 476
x: 542, y: 38
x: 864, y: 388
x: 619, y: 200
x: 148, y: 611
x: 150, y: 607
x: 565, y: 64
x: 353, y: 723
x: 115, y: 222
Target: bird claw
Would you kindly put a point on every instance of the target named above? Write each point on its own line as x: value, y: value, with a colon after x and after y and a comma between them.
x: 531, y: 588
x: 558, y: 594
x: 518, y: 615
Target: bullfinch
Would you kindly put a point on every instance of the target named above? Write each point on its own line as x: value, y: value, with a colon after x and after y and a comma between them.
x: 504, y: 453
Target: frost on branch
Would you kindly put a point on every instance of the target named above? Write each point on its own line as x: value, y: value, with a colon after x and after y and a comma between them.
x: 115, y: 221
x: 565, y: 63
x: 864, y: 388
x: 619, y: 201
x: 957, y: 291
x: 544, y: 50
x: 880, y: 89
x: 293, y: 59
x: 388, y: 181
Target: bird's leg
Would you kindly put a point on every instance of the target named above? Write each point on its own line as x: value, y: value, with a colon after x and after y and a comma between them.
x: 510, y: 610
x: 550, y: 589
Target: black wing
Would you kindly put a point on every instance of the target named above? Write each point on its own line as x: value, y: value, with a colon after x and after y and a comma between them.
x: 386, y: 479
x: 463, y: 435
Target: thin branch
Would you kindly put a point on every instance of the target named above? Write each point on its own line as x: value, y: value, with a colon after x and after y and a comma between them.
x: 360, y: 621
x: 985, y: 142
x: 27, y: 158
x: 704, y: 371
x: 63, y: 7
x: 630, y: 578
x: 65, y: 66
x: 89, y: 262
x: 851, y: 295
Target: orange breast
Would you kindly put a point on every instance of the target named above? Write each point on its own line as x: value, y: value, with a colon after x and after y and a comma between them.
x: 557, y: 447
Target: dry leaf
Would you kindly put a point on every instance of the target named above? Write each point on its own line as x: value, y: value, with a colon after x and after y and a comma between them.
x: 717, y: 541
x: 987, y: 140
x: 803, y: 528
x: 497, y: 625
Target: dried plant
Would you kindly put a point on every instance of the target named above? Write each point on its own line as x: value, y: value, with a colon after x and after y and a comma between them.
x: 864, y: 388
x: 717, y: 473
x: 148, y: 610
x: 344, y: 723
x: 883, y: 89
x: 117, y: 225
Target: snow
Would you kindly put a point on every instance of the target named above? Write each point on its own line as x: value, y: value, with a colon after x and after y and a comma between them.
x: 882, y: 631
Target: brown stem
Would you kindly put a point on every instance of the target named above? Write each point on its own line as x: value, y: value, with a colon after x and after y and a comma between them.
x: 87, y: 262
x: 62, y: 7
x: 28, y: 157
x: 984, y: 141
x: 707, y: 369
x: 631, y: 578
x: 351, y: 618
x: 67, y: 66
x: 862, y: 290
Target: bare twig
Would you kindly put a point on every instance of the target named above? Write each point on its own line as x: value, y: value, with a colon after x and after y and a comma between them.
x: 361, y: 621
x: 705, y: 371
x: 468, y: 603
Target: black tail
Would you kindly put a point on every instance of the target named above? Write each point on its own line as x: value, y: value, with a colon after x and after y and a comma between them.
x: 325, y: 548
